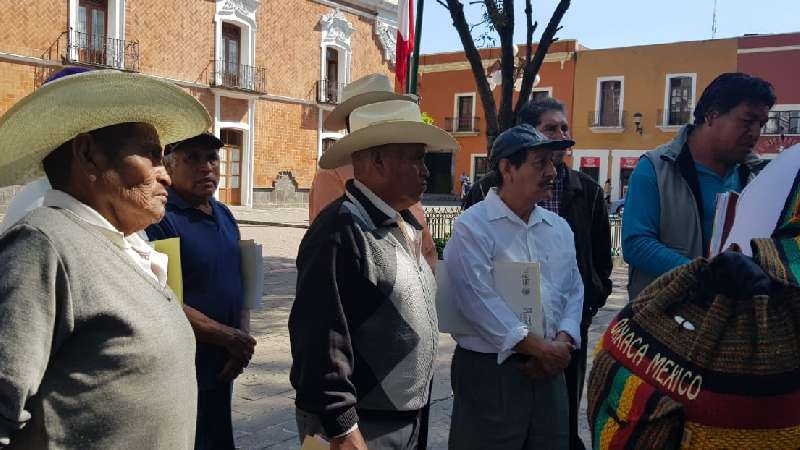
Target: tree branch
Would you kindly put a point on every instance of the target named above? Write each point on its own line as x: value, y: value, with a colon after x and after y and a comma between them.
x: 531, y: 28
x: 548, y: 37
x: 441, y: 2
x: 507, y: 63
x: 473, y: 56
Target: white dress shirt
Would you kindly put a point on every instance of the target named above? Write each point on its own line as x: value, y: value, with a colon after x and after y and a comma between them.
x: 489, y: 231
x: 150, y: 261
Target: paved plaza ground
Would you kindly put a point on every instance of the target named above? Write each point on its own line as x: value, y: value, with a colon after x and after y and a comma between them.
x: 264, y: 399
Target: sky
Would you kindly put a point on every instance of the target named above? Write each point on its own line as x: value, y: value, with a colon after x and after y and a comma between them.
x: 621, y: 23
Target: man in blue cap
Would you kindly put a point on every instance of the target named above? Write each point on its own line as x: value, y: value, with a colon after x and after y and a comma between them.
x: 508, y: 383
x: 212, y: 281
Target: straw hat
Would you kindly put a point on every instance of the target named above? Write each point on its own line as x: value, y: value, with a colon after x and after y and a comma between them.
x: 75, y: 104
x: 389, y: 122
x: 369, y: 89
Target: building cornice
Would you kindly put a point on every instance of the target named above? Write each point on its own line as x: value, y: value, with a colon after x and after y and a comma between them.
x: 559, y: 57
x: 783, y: 48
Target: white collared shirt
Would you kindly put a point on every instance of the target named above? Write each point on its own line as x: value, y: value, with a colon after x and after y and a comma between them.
x: 153, y: 263
x: 412, y: 235
x: 489, y: 231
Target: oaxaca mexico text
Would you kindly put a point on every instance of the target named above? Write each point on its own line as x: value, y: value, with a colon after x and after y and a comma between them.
x: 666, y: 372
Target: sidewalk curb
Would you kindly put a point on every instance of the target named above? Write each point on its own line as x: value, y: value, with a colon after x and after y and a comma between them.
x: 270, y: 224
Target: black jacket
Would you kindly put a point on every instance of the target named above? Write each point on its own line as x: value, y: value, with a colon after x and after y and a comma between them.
x: 584, y: 209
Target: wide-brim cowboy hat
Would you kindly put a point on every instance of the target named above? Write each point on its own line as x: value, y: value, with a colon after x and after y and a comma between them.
x: 389, y: 122
x: 75, y: 104
x: 369, y: 89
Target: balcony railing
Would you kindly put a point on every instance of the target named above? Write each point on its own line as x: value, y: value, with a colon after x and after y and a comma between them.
x: 597, y: 119
x: 234, y: 76
x: 102, y: 51
x: 673, y: 118
x: 782, y: 122
x: 462, y: 124
x: 329, y: 92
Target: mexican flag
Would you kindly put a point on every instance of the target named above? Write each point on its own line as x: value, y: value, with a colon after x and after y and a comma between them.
x: 405, y: 41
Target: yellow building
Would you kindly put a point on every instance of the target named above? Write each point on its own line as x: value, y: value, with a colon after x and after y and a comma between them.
x: 630, y: 100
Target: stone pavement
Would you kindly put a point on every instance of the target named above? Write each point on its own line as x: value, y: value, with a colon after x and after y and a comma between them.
x: 263, y: 408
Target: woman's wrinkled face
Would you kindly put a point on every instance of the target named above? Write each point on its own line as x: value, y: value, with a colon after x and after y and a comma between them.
x: 133, y: 182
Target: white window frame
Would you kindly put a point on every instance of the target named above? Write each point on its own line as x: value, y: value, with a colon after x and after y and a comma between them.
x: 115, y: 28
x: 345, y: 56
x: 455, y: 112
x: 336, y: 34
x: 322, y: 134
x: 547, y: 89
x: 472, y: 158
x: 612, y: 129
x: 665, y: 126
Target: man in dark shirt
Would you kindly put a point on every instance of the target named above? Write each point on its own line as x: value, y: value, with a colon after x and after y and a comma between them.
x: 212, y: 282
x: 580, y: 201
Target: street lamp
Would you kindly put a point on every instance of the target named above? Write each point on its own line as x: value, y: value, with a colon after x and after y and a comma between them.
x: 637, y: 120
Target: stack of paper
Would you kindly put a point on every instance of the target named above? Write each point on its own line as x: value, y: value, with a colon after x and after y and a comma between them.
x: 517, y: 283
x: 723, y: 221
x: 252, y: 273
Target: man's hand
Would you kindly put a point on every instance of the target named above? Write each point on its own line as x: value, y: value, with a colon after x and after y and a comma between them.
x: 240, y: 345
x: 563, y: 336
x: 554, y: 357
x: 233, y: 368
x: 532, y: 369
x: 350, y: 441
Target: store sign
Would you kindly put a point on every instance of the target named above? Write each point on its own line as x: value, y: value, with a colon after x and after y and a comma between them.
x: 629, y: 163
x: 590, y: 161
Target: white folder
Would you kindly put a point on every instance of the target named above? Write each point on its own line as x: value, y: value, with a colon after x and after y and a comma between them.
x: 252, y: 273
x: 517, y: 283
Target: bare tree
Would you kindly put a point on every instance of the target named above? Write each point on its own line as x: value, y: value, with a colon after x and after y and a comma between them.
x: 499, y: 16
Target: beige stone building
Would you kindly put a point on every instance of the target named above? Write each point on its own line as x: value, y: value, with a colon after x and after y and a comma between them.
x: 266, y: 70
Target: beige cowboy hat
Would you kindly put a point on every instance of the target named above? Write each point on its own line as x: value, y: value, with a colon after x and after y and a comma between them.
x: 369, y: 89
x: 389, y: 122
x: 75, y: 104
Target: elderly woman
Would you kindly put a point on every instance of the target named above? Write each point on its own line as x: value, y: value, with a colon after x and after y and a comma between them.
x: 93, y: 345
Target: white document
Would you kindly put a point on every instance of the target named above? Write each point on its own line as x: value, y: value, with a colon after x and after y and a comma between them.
x: 518, y: 284
x: 252, y: 273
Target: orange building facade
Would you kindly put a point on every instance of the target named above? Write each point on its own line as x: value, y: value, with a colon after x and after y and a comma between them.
x: 630, y: 100
x: 267, y: 71
x: 449, y: 95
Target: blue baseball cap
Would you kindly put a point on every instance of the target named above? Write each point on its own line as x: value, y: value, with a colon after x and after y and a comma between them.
x: 523, y: 137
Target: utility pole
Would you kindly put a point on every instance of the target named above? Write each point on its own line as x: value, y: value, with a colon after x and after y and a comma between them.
x: 714, y: 21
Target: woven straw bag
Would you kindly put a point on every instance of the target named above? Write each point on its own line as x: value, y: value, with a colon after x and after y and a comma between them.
x: 674, y: 370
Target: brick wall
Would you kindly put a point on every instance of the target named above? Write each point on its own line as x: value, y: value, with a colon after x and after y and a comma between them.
x: 232, y: 109
x: 16, y: 81
x: 176, y: 37
x: 31, y: 27
x: 285, y: 141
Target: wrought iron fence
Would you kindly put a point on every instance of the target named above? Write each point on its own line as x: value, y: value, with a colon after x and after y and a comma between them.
x: 103, y: 51
x: 462, y: 124
x: 440, y: 221
x: 599, y: 119
x: 235, y: 76
x: 615, y: 220
x: 329, y: 91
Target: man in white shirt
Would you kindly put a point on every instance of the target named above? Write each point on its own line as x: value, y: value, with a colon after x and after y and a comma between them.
x: 508, y: 383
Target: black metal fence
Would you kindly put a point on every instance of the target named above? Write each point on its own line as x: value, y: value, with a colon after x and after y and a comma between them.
x: 248, y: 78
x: 103, y: 51
x: 329, y: 92
x: 462, y: 124
x: 440, y: 221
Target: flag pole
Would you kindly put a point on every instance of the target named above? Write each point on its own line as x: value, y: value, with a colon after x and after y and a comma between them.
x: 414, y: 66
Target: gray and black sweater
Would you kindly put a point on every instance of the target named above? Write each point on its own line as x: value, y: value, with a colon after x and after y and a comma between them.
x: 363, y: 326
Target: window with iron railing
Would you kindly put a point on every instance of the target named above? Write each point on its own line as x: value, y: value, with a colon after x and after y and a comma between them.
x: 679, y: 102
x: 782, y: 122
x: 609, y: 104
x: 462, y: 124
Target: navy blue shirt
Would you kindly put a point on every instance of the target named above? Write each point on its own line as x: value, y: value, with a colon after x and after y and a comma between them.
x: 212, y: 271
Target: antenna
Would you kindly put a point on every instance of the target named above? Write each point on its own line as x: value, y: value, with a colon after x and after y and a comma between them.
x: 714, y: 22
